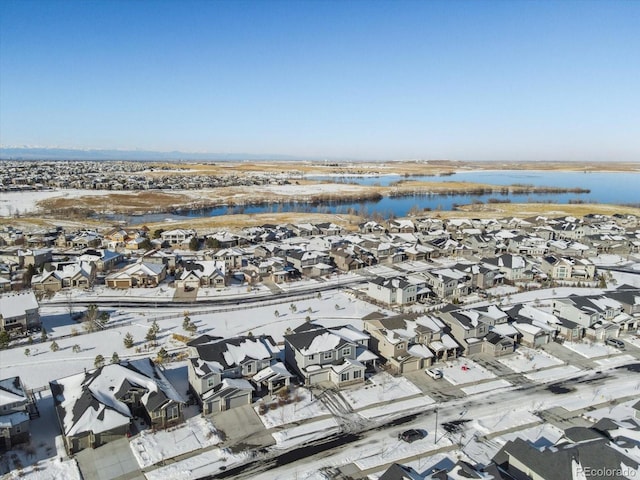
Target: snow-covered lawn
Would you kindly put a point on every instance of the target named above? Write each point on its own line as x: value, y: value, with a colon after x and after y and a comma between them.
x: 590, y: 349
x: 50, y: 469
x: 553, y: 374
x: 383, y: 388
x: 485, y: 387
x: 393, y: 450
x: 633, y: 340
x: 598, y: 395
x: 461, y: 371
x: 620, y: 411
x: 608, y: 259
x: 306, y: 407
x: 399, y: 408
x: 528, y: 359
x: 616, y: 361
x: 150, y: 448
x: 307, y: 432
x: 505, y: 420
x: 208, y: 463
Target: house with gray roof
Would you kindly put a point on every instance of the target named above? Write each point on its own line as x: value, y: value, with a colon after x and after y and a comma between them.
x: 319, y: 354
x: 219, y: 369
x: 96, y: 407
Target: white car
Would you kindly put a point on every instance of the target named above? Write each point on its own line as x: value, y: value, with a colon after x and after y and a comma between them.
x: 434, y: 373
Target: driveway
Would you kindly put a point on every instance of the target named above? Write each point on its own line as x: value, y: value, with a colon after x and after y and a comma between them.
x: 243, y: 428
x: 113, y: 461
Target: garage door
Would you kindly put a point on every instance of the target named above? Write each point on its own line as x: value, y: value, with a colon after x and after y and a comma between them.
x: 237, y: 402
x: 213, y: 407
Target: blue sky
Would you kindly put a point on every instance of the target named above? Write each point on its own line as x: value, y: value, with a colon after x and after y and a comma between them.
x: 466, y: 80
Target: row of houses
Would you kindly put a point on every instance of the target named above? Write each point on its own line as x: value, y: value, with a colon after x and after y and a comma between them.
x: 98, y: 406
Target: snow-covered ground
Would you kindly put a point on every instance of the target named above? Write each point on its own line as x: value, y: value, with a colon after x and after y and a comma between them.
x: 616, y: 361
x: 12, y: 203
x: 591, y: 349
x: 527, y: 359
x: 43, y: 365
x: 398, y: 408
x: 150, y: 448
x: 210, y: 462
x: 383, y: 388
x: 49, y: 469
x: 305, y: 433
x: 461, y: 371
x: 486, y: 386
x: 307, y: 406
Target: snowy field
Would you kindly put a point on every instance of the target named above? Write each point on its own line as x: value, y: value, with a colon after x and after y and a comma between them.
x: 150, y: 448
x: 527, y: 359
x: 42, y: 365
x: 591, y: 349
x: 463, y: 370
x: 553, y: 374
x: 306, y: 407
x: 383, y: 388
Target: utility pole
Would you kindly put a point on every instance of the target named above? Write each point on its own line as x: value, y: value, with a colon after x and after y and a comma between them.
x: 435, y: 432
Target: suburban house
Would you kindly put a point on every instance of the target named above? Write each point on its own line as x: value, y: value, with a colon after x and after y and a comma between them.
x: 219, y: 369
x: 65, y: 275
x: 231, y: 257
x: 408, y: 342
x: 98, y: 406
x: 139, y: 274
x: 205, y: 273
x: 566, y: 268
x: 514, y: 267
x: 14, y: 413
x: 536, y: 327
x: 392, y: 291
x: 520, y: 459
x: 19, y: 312
x: 177, y: 236
x: 319, y: 354
x: 448, y: 283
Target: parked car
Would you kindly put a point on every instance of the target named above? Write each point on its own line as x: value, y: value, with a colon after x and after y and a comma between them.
x: 434, y: 373
x: 614, y: 342
x: 412, y: 435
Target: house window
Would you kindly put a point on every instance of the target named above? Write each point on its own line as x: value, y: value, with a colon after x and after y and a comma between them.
x: 346, y: 352
x: 249, y: 367
x: 312, y: 357
x: 211, y: 382
x: 344, y: 377
x: 357, y: 374
x: 327, y: 355
x: 173, y: 412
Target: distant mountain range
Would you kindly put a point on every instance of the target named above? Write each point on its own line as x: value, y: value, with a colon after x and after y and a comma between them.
x: 46, y: 153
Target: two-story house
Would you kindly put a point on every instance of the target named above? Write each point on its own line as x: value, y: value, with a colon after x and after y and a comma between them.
x: 14, y: 413
x: 318, y: 354
x: 392, y: 291
x: 96, y: 407
x: 218, y: 369
x: 19, y: 312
